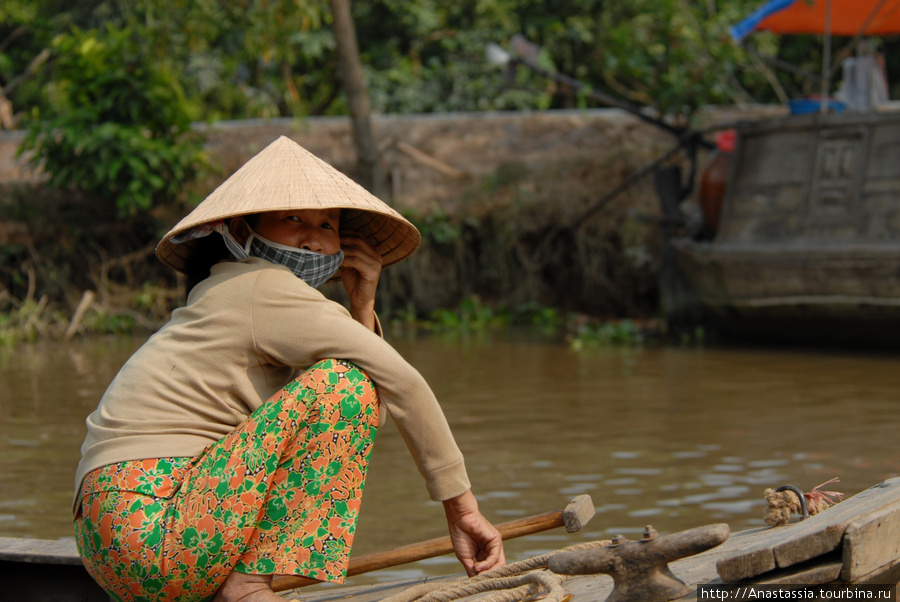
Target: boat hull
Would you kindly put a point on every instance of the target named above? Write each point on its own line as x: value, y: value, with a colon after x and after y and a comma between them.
x: 809, y: 240
x: 842, y: 295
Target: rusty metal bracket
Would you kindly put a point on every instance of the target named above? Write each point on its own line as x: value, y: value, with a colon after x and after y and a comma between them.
x: 640, y: 569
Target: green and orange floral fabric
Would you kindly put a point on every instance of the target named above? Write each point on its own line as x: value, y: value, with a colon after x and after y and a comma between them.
x: 279, y: 495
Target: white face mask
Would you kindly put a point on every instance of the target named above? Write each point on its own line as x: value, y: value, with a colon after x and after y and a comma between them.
x: 312, y: 268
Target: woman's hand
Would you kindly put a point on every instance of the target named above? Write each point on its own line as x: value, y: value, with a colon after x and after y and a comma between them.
x: 359, y: 273
x: 477, y: 543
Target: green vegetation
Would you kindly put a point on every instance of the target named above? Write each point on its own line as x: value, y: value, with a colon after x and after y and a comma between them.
x: 28, y: 320
x: 620, y: 332
x: 237, y: 60
x: 108, y: 90
x: 24, y: 321
x: 475, y: 318
x: 116, y: 127
x: 475, y: 315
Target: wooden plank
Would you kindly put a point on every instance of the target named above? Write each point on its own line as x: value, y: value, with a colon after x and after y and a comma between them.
x: 702, y: 567
x: 871, y: 542
x: 886, y: 574
x: 694, y: 571
x: 36, y: 582
x: 815, y: 573
x: 747, y: 564
x: 46, y: 551
x: 45, y: 570
x: 374, y: 592
x: 792, y: 544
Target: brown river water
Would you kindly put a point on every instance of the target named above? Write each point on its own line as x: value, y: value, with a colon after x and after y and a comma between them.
x: 672, y: 437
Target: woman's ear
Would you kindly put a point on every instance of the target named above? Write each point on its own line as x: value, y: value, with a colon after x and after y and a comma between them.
x: 239, y: 229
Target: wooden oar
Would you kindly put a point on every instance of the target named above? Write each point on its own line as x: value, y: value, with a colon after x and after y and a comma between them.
x: 574, y: 516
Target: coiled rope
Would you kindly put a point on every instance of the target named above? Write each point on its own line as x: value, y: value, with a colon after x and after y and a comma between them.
x: 513, y: 582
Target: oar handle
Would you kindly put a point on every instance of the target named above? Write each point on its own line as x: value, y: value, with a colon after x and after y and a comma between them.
x: 427, y: 549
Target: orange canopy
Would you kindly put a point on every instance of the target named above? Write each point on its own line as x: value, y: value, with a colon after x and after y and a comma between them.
x: 847, y: 17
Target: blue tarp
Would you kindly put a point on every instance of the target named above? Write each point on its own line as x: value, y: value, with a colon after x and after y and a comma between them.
x: 747, y: 26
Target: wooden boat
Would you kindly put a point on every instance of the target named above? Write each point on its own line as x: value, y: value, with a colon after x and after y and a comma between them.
x: 808, y: 246
x: 38, y: 570
x: 855, y: 542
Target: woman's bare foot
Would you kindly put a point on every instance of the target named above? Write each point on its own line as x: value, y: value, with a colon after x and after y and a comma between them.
x: 241, y: 587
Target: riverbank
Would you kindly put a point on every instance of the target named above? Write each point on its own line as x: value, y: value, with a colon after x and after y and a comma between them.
x: 512, y: 208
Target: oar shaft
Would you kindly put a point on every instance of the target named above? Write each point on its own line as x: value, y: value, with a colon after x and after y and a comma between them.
x: 443, y: 545
x: 427, y: 549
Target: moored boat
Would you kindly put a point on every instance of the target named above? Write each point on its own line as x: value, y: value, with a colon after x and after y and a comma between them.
x: 808, y: 246
x: 41, y: 570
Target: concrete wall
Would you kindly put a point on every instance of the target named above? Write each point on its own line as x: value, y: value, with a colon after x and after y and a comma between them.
x: 430, y: 158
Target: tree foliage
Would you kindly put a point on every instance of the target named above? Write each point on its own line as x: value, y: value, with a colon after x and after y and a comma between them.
x: 267, y: 58
x: 108, y: 90
x: 127, y: 76
x: 116, y: 126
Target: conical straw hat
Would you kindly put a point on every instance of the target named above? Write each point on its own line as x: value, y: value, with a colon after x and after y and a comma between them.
x: 285, y: 176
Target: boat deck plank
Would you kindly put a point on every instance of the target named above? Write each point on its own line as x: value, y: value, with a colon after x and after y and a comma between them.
x: 786, y: 546
x: 45, y: 551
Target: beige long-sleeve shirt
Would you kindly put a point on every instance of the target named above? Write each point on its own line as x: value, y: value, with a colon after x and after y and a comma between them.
x: 246, y: 331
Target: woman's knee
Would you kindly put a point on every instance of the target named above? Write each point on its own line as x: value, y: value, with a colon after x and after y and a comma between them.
x: 337, y: 379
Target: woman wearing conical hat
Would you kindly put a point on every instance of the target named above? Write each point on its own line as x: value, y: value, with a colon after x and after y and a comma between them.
x: 233, y: 445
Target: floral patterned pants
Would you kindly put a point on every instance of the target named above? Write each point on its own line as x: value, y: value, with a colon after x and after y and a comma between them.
x: 279, y: 495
